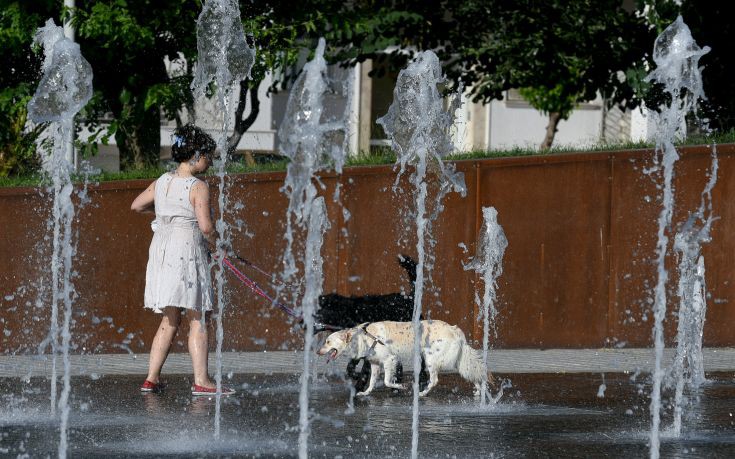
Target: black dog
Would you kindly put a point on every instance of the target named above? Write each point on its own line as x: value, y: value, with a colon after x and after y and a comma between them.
x: 340, y: 312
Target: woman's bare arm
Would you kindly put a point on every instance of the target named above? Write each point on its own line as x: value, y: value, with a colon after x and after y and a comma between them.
x: 199, y: 197
x: 144, y: 202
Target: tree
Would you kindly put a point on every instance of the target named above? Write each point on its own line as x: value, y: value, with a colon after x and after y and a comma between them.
x: 557, y: 103
x: 560, y: 53
x: 284, y: 33
x: 581, y: 49
x: 280, y: 31
x: 127, y: 42
x: 711, y: 25
x: 18, y: 23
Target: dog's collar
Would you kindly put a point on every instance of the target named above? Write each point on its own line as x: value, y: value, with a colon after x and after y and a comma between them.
x: 375, y: 339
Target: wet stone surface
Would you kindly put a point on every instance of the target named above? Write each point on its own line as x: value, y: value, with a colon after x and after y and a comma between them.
x: 542, y: 415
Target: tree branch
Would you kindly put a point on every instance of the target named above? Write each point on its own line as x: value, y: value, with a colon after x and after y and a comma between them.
x: 242, y: 125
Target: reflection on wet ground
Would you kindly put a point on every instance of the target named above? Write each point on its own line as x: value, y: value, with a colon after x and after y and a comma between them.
x: 541, y: 415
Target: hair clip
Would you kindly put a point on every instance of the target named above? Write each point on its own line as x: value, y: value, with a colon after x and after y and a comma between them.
x: 178, y: 140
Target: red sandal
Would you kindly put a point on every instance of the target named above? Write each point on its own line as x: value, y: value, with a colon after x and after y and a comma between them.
x: 149, y: 386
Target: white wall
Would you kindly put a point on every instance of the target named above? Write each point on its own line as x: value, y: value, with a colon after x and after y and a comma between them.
x: 504, y: 124
x: 641, y: 125
x: 517, y: 124
x: 259, y: 137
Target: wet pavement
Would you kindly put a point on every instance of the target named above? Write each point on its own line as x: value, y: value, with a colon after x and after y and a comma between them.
x: 541, y: 415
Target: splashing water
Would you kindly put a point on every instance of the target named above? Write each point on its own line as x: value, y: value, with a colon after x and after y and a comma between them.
x: 676, y: 55
x: 489, y: 263
x: 314, y: 279
x: 602, y: 388
x: 418, y: 126
x: 688, y: 367
x: 312, y: 144
x: 223, y: 53
x: 225, y: 58
x: 300, y: 135
x: 66, y: 86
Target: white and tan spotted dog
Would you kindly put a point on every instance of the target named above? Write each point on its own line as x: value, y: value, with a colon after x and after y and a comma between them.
x: 443, y: 347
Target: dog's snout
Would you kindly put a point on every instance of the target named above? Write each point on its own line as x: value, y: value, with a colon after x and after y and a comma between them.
x: 325, y: 348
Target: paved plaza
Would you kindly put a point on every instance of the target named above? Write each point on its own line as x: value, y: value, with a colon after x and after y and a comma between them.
x: 502, y: 361
x: 557, y: 403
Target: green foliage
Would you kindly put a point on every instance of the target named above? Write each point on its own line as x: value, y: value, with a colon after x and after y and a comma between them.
x: 170, y: 96
x: 659, y: 13
x: 147, y: 173
x: 711, y: 25
x: 383, y: 156
x: 283, y: 33
x: 127, y: 42
x: 386, y: 32
x: 569, y: 49
x: 18, y: 23
x: 380, y: 155
x: 562, y: 52
x: 115, y: 27
x: 551, y: 100
x: 559, y: 52
x: 17, y: 144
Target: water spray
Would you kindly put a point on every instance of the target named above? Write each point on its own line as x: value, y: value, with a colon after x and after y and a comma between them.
x: 65, y: 87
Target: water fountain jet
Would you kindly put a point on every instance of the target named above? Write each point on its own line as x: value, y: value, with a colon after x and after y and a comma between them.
x: 224, y: 58
x: 312, y: 144
x: 688, y: 367
x: 488, y: 263
x: 66, y: 87
x: 418, y: 125
x: 676, y: 55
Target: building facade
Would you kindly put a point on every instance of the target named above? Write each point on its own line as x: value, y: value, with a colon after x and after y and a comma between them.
x: 500, y: 125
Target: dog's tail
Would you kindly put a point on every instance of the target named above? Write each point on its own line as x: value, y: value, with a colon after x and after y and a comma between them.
x: 470, y: 365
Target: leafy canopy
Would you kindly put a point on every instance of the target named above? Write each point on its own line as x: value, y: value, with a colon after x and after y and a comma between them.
x: 559, y: 53
x: 18, y: 80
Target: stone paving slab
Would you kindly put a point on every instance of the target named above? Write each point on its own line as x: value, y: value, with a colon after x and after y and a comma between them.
x: 501, y: 361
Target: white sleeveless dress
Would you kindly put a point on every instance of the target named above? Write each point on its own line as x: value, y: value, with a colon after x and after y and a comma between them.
x: 178, y: 272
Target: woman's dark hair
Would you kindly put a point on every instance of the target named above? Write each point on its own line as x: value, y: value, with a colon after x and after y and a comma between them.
x: 189, y: 141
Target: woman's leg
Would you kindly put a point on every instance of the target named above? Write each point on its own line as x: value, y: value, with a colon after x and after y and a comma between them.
x: 162, y: 342
x: 199, y: 349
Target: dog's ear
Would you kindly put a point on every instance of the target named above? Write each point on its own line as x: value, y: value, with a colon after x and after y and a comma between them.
x: 348, y: 336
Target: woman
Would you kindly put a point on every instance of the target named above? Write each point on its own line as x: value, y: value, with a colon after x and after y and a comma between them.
x: 177, y: 276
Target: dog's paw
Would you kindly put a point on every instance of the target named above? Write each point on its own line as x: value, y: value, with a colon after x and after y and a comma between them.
x: 423, y: 393
x: 396, y: 386
x: 364, y: 393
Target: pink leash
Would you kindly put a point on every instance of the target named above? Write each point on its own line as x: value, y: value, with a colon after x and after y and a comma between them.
x: 252, y: 285
x: 256, y: 288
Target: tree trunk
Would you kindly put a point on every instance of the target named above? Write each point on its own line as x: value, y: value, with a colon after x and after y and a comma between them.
x: 243, y: 124
x: 551, y: 128
x: 138, y: 136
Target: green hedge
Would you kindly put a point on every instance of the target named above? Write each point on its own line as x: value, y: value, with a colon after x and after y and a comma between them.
x: 376, y: 157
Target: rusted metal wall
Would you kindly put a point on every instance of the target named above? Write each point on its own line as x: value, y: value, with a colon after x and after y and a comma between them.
x: 578, y: 272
